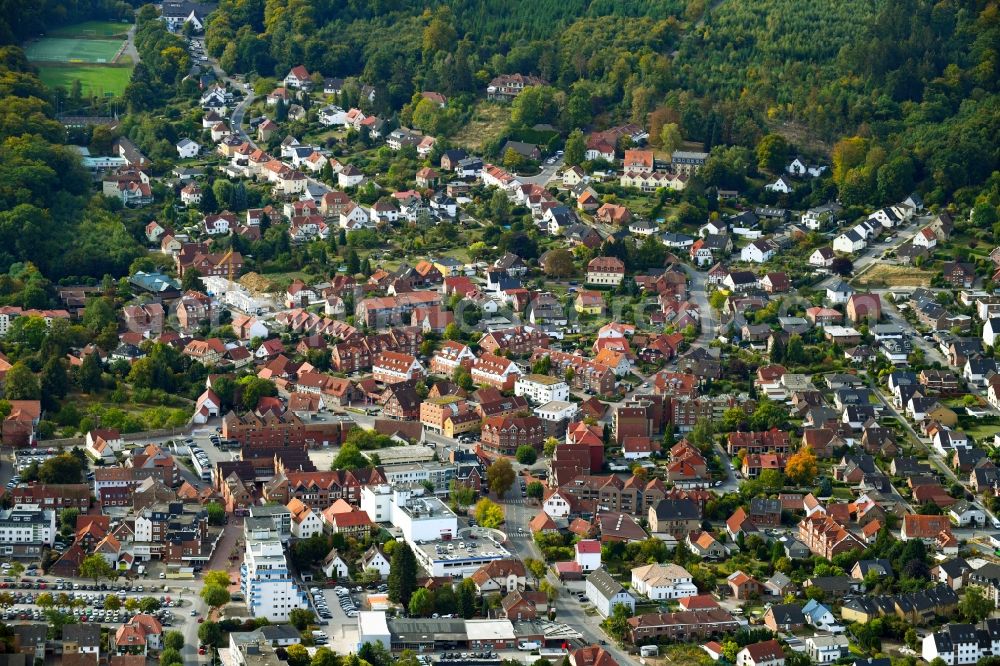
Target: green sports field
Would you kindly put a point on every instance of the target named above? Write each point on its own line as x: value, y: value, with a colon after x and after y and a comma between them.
x: 95, y: 80
x: 83, y: 52
x: 91, y: 30
x: 70, y: 49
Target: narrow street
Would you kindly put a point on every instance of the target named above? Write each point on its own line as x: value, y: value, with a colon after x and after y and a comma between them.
x: 571, y: 611
x: 698, y: 289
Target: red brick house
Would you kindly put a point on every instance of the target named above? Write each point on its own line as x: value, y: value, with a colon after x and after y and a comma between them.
x: 504, y: 434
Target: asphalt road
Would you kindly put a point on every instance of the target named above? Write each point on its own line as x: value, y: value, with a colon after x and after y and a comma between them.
x: 547, y: 173
x: 698, y: 289
x: 570, y: 610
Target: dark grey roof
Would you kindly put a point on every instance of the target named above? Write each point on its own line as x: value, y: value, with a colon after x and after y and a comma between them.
x: 677, y: 509
x: 788, y: 614
x: 606, y: 586
x: 273, y: 632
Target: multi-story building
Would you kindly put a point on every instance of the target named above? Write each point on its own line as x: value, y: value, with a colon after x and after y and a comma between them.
x: 267, y: 583
x: 825, y: 537
x: 504, y: 434
x: 516, y: 341
x: 450, y: 356
x: 542, y: 389
x: 506, y: 87
x: 25, y: 530
x: 284, y: 430
x: 587, y: 375
x: 962, y: 644
x: 391, y: 367
x: 53, y: 496
x: 435, y: 412
x: 768, y: 441
x: 609, y: 271
x: 681, y: 626
x: 631, y: 420
x: 380, y: 312
x: 686, y: 162
x: 496, y: 371
x: 674, y: 517
x: 318, y: 490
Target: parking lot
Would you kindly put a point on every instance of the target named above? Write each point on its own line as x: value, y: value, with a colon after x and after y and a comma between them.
x: 85, y: 605
x: 341, y: 627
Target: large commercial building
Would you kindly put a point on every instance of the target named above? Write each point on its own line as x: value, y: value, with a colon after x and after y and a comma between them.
x: 423, y: 518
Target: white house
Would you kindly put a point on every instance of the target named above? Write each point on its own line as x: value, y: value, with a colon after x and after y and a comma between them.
x: 334, y: 566
x: 187, y: 148
x: 26, y: 528
x: 663, y: 581
x: 826, y: 649
x: 821, y: 257
x: 541, y: 389
x: 838, y: 293
x: 557, y: 505
x: 782, y: 186
x: 765, y: 653
x: 332, y: 115
x: 925, y: 238
x: 964, y: 513
x: 606, y: 593
x: 818, y: 217
x: 961, y: 644
x: 945, y: 441
x: 207, y: 407
x: 991, y: 329
x: 713, y: 228
x: 103, y: 444
x: 306, y: 523
x: 799, y: 167
x: 350, y: 176
x: 821, y: 617
x: 297, y: 77
x: 758, y: 251
x: 887, y: 217
x: 849, y: 242
x: 354, y: 217
x: 588, y: 554
x: 375, y: 559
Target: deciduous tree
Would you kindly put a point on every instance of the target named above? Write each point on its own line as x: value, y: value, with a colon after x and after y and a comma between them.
x: 801, y: 466
x: 489, y: 513
x: 500, y: 476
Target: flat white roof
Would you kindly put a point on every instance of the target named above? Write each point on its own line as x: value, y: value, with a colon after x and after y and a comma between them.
x: 489, y: 630
x: 372, y: 623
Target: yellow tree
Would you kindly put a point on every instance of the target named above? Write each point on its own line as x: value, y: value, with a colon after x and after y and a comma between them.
x: 847, y: 154
x: 489, y: 513
x: 802, y: 467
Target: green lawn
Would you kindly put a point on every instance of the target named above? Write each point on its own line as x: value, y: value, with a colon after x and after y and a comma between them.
x: 95, y: 79
x: 73, y: 49
x: 92, y: 29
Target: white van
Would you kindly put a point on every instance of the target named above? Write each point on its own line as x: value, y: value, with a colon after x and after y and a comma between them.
x: 528, y: 646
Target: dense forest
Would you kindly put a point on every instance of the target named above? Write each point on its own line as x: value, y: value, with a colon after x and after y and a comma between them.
x: 50, y: 224
x: 913, y: 83
x: 898, y: 93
